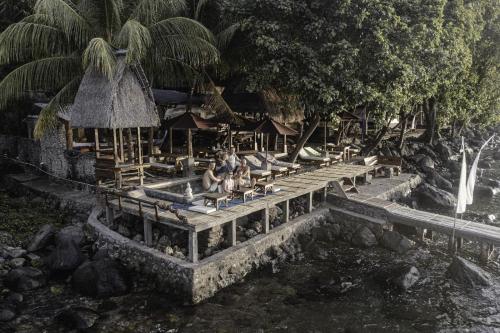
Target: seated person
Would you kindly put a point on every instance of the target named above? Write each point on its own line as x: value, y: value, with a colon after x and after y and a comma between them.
x: 233, y: 160
x: 222, y: 165
x: 210, y: 181
x: 243, y: 175
x: 228, y: 184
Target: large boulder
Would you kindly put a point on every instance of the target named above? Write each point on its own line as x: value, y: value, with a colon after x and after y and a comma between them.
x: 401, y: 276
x: 426, y: 162
x: 24, y: 279
x: 396, y: 242
x: 71, y: 233
x: 78, y: 318
x: 7, y: 313
x: 434, y: 178
x: 42, y: 238
x: 429, y: 151
x: 66, y: 256
x: 433, y: 196
x: 364, y: 237
x: 102, y: 278
x: 443, y: 150
x: 485, y: 192
x: 464, y: 272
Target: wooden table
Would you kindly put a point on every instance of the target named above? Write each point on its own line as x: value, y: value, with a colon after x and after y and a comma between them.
x: 215, y: 199
x: 265, y: 186
x: 244, y: 192
x: 260, y: 174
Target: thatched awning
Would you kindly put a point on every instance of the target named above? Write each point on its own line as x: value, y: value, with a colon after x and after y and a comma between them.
x: 190, y: 120
x: 124, y: 102
x: 270, y: 126
x: 64, y: 113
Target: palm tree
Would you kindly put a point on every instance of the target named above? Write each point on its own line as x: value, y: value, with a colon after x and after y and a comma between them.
x: 54, y: 46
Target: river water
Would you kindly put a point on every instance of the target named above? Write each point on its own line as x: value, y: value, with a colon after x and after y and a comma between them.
x: 331, y: 288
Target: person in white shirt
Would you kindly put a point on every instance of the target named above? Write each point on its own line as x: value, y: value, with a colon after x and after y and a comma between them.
x: 210, y: 181
x: 233, y: 160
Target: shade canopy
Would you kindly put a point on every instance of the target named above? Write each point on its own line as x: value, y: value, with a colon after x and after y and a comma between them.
x: 125, y: 101
x: 270, y: 126
x: 189, y: 120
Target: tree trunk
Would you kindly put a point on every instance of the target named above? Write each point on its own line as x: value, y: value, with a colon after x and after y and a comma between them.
x: 430, y: 112
x: 403, y: 121
x: 303, y: 139
x: 377, y: 140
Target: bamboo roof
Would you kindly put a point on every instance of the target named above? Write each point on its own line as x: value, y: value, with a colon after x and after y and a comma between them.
x: 190, y: 120
x: 270, y: 126
x: 126, y: 101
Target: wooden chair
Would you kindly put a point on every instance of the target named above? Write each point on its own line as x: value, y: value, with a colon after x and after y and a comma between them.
x: 384, y: 162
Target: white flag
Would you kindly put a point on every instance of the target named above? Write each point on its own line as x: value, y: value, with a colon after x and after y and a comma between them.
x: 471, y: 182
x: 462, y: 187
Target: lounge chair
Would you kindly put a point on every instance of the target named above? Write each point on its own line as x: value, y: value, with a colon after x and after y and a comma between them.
x: 292, y: 167
x: 318, y: 160
x: 256, y: 164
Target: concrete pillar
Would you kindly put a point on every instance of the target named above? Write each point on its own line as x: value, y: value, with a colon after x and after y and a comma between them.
x: 310, y: 202
x: 265, y: 220
x: 232, y: 232
x: 286, y: 211
x: 148, y: 232
x: 110, y: 215
x: 193, y: 246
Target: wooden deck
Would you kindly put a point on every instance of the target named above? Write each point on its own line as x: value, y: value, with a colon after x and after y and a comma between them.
x: 290, y: 188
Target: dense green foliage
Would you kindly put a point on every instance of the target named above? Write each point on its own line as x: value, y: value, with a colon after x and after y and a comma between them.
x: 393, y: 57
x: 54, y: 46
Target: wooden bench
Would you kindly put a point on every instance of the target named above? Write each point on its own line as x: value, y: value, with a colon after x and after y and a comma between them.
x: 384, y: 162
x: 215, y: 199
x: 265, y: 186
x: 244, y: 192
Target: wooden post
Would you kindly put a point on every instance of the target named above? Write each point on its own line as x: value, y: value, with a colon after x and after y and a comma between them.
x: 189, y: 143
x: 255, y: 143
x: 120, y: 138
x: 115, y: 147
x: 232, y: 233
x: 193, y: 246
x: 325, y: 193
x: 265, y: 220
x: 261, y: 142
x: 130, y: 146
x: 150, y: 142
x: 310, y: 202
x: 230, y: 134
x: 285, y: 147
x: 170, y: 139
x: 97, y: 148
x: 148, y: 232
x: 139, y: 145
x: 286, y: 211
x: 420, y: 234
x: 69, y: 135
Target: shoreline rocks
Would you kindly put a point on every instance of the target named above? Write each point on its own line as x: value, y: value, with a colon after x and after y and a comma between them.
x: 466, y: 273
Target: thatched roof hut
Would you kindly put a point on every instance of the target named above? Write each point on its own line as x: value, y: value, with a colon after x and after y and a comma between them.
x: 124, y: 102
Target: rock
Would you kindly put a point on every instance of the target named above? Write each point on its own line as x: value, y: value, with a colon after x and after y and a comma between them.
x: 434, y: 178
x: 496, y: 155
x: 433, y: 196
x: 12, y: 253
x: 484, y: 164
x: 72, y: 233
x: 33, y: 259
x: 66, y: 256
x: 79, y: 318
x: 6, y: 314
x: 484, y: 191
x: 6, y: 239
x: 15, y: 299
x: 401, y: 276
x: 43, y: 237
x: 491, y: 182
x: 464, y: 272
x: 396, y: 242
x: 124, y: 231
x: 364, y: 237
x: 24, y: 279
x: 257, y: 226
x: 443, y: 150
x: 426, y: 162
x: 138, y: 238
x: 101, y: 278
x: 17, y: 262
x: 453, y: 166
x: 429, y: 151
x: 491, y: 218
x: 249, y: 233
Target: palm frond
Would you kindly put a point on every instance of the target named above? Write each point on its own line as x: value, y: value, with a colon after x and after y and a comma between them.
x: 169, y: 72
x: 217, y: 104
x: 199, y: 8
x: 47, y: 119
x: 99, y: 55
x: 224, y: 37
x: 135, y: 38
x: 181, y: 26
x: 195, y: 52
x: 30, y: 39
x: 64, y: 15
x: 48, y: 74
x: 149, y: 12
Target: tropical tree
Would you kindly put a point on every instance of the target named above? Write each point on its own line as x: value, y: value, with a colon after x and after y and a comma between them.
x: 62, y: 39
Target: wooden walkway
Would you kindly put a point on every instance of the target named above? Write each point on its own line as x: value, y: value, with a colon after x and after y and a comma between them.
x: 290, y: 188
x: 486, y: 235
